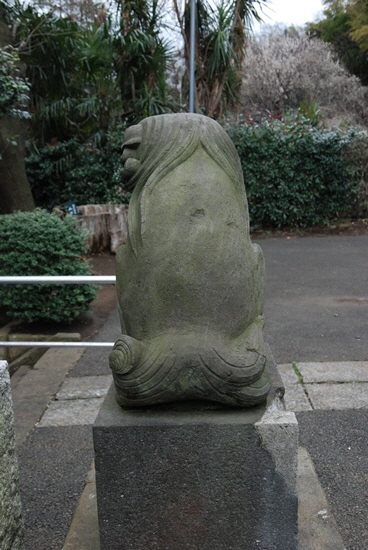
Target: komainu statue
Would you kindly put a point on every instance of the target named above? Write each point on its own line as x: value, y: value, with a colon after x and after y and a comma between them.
x: 189, y: 280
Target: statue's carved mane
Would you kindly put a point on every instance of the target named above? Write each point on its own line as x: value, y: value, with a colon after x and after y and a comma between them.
x: 164, y: 146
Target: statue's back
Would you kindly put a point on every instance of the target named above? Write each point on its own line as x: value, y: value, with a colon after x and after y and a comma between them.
x: 190, y: 283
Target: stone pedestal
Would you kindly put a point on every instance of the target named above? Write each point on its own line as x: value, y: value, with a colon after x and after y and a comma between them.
x: 11, y: 525
x: 190, y: 477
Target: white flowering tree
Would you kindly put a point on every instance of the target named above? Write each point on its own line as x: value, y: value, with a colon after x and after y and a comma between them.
x: 285, y: 69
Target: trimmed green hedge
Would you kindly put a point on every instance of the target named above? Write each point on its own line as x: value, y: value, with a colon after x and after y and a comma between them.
x: 40, y: 243
x: 295, y: 173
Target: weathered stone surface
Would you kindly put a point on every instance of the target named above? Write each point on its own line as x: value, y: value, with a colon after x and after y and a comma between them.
x: 16, y: 351
x: 4, y: 333
x: 189, y: 281
x: 329, y: 385
x: 184, y: 478
x: 338, y: 396
x: 34, y: 391
x: 317, y: 525
x: 84, y: 387
x: 295, y: 397
x: 30, y: 356
x: 11, y: 525
x: 78, y: 412
x: 278, y: 431
x: 339, y: 371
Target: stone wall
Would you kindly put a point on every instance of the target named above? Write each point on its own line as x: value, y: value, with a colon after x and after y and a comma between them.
x: 11, y: 525
x: 105, y: 225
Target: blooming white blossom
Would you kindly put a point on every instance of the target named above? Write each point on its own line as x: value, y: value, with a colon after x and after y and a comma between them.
x: 284, y: 69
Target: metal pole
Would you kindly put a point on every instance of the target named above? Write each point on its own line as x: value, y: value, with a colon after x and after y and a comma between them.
x: 192, y: 55
x: 62, y: 280
x: 58, y: 280
x: 57, y: 344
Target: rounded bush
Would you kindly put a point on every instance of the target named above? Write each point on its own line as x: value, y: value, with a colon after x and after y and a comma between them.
x: 40, y: 243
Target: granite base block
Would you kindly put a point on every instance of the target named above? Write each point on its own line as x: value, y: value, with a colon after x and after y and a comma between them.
x: 182, y: 477
x: 11, y: 523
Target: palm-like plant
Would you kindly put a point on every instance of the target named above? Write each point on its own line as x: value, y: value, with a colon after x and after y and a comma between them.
x: 71, y: 71
x: 142, y: 58
x: 217, y: 60
x: 96, y: 53
x: 221, y: 32
x: 358, y: 14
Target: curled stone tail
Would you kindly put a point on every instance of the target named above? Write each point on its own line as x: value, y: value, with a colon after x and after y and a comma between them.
x: 169, y: 369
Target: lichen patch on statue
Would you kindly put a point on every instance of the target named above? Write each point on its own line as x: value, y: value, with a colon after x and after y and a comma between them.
x: 189, y: 280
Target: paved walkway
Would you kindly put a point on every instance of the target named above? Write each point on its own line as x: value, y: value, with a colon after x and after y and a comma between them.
x: 316, y: 312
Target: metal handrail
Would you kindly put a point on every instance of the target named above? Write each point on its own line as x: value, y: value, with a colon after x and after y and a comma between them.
x: 57, y: 344
x: 58, y: 280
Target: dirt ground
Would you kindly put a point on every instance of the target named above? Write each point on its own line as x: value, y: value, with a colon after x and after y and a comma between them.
x: 106, y: 301
x: 88, y: 324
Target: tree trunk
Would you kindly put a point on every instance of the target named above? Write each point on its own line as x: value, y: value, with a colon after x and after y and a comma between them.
x: 15, y: 191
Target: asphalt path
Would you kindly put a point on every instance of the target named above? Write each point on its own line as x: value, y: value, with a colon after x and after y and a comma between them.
x: 316, y: 306
x: 316, y: 309
x: 337, y: 442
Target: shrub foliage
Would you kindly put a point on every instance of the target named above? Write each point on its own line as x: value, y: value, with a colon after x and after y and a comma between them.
x: 40, y: 243
x: 296, y: 174
x: 13, y: 88
x: 84, y: 174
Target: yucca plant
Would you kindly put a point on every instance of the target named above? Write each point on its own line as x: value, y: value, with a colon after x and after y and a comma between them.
x: 70, y: 67
x: 221, y: 32
x: 142, y: 58
x: 84, y: 74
